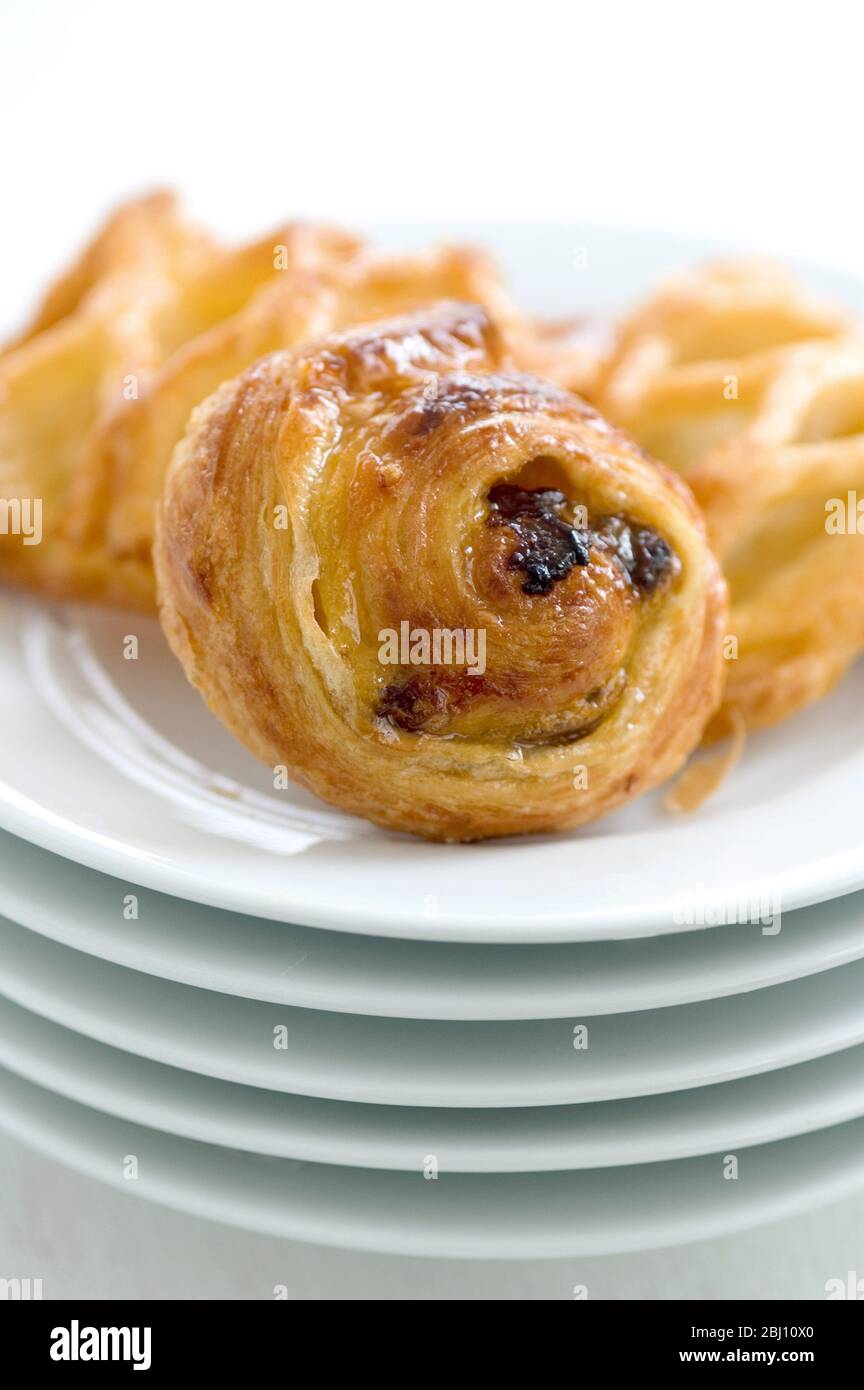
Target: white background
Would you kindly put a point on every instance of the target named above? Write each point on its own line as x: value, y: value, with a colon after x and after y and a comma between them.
x: 742, y: 121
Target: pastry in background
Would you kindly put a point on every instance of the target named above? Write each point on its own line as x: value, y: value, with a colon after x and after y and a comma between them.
x: 95, y: 326
x: 754, y: 391
x: 574, y: 353
x: 146, y: 233
x: 148, y: 285
x: 690, y: 367
x: 781, y: 504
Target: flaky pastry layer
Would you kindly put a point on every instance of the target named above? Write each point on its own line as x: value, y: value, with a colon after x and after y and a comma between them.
x: 400, y: 480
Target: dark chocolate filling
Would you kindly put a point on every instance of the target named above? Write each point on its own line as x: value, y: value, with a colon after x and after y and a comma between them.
x: 414, y: 705
x: 647, y: 558
x: 428, y: 699
x: 549, y: 545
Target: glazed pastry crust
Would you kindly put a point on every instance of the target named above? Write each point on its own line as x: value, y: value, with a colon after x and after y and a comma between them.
x: 327, y: 496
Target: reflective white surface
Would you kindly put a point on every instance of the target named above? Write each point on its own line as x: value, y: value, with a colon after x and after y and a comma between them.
x: 255, y: 959
x: 727, y: 1117
x: 427, y: 1063
x: 180, y: 1256
x: 469, y: 1216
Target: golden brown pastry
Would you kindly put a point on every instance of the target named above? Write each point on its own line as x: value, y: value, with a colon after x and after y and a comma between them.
x: 146, y: 232
x: 94, y: 328
x: 755, y: 392
x: 690, y: 367
x: 441, y: 594
x: 781, y: 503
x: 73, y: 384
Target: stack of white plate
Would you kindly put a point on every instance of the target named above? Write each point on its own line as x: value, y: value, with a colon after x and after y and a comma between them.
x: 520, y: 1048
x: 241, y: 1003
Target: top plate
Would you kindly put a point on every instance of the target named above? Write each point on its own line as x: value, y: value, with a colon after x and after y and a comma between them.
x: 117, y: 764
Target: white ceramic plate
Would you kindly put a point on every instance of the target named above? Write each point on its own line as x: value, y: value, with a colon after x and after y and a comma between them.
x: 423, y: 1062
x: 249, y: 957
x: 461, y: 1215
x: 117, y: 764
x: 712, y: 1119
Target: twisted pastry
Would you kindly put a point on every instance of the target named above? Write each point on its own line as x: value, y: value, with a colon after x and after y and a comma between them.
x: 691, y: 365
x: 754, y: 391
x: 73, y: 386
x: 781, y: 504
x: 146, y: 232
x: 94, y: 328
x: 333, y: 513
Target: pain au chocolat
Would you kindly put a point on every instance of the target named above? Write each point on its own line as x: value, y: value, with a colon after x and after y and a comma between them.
x: 442, y: 594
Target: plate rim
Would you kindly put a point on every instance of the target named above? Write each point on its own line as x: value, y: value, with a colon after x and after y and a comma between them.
x: 115, y: 1006
x: 182, y: 1115
x: 86, y: 925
